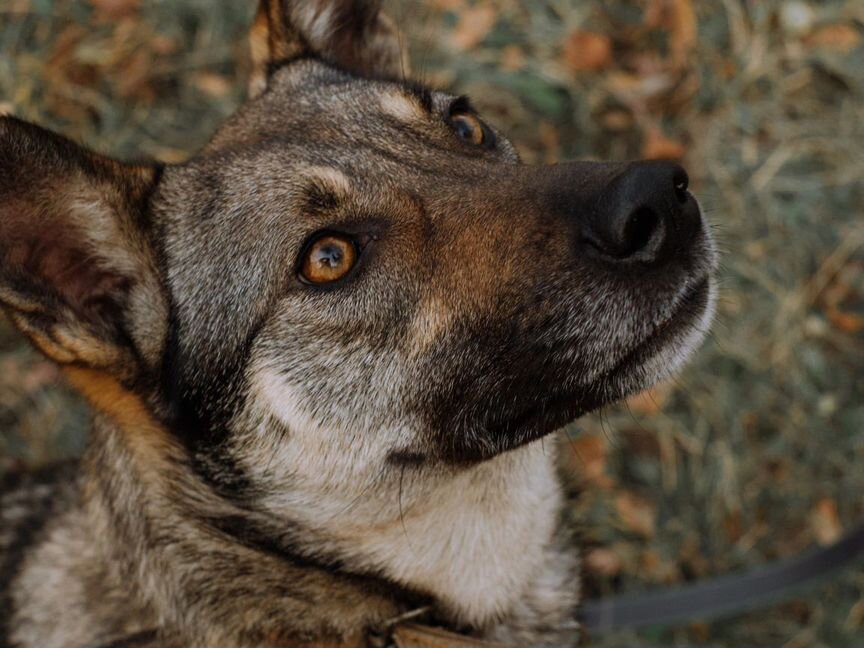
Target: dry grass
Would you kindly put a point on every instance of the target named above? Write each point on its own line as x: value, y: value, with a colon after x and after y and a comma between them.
x: 756, y: 451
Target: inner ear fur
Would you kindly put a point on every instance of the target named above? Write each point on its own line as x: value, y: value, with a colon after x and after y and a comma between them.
x: 78, y: 273
x: 351, y: 34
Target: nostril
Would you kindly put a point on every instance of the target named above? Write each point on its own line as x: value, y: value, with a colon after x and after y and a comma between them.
x: 638, y: 231
x: 681, y: 182
x: 645, y: 206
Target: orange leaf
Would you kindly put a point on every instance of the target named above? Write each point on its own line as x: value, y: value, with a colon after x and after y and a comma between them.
x: 840, y: 38
x: 114, y: 9
x: 512, y: 58
x: 603, y: 561
x: 682, y: 30
x: 448, y: 5
x: 637, y: 514
x: 825, y: 521
x: 846, y: 322
x: 587, y: 51
x: 474, y: 24
x: 589, y: 459
x: 651, y: 401
x: 658, y: 146
x: 213, y: 84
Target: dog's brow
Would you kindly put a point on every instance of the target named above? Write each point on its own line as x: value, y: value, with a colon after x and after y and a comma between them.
x: 404, y: 106
x: 330, y: 177
x: 422, y: 94
x: 326, y: 187
x: 461, y: 105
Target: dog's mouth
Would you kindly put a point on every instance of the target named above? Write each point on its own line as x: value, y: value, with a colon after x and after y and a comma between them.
x: 686, y: 315
x: 652, y: 358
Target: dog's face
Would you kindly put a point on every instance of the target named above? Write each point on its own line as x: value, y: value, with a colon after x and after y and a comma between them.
x: 357, y: 274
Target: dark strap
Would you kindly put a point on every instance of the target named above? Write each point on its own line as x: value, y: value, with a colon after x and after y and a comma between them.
x: 724, y: 595
x: 420, y: 636
x: 138, y: 640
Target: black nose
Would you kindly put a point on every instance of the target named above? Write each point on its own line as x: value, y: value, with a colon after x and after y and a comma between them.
x: 642, y: 213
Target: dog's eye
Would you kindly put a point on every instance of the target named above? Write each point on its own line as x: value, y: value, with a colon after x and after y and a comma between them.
x: 328, y: 258
x: 469, y: 128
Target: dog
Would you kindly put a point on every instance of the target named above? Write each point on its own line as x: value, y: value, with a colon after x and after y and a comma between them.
x: 323, y: 356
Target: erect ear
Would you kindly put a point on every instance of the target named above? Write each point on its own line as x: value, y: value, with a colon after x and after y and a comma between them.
x: 352, y: 34
x: 77, y: 266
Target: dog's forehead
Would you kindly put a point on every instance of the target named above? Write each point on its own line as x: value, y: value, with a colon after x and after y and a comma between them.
x: 313, y: 105
x: 318, y: 114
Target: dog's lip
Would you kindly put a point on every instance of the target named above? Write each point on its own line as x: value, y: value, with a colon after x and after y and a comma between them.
x: 560, y: 408
x: 693, y: 294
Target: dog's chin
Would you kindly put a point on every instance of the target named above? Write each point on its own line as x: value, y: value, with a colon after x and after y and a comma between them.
x: 651, y: 359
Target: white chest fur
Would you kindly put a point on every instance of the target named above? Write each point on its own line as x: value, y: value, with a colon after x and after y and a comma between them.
x: 477, y: 541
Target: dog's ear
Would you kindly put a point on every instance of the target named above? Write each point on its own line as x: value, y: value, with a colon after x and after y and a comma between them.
x: 78, y: 273
x: 352, y: 34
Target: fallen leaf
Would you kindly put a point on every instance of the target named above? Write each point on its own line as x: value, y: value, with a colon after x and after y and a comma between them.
x: 586, y: 51
x: 161, y: 44
x: 603, y: 561
x: 617, y: 120
x: 448, y: 5
x: 213, y: 84
x: 657, y: 146
x: 512, y: 58
x: 589, y: 459
x: 840, y: 37
x: 825, y: 521
x: 656, y: 568
x: 651, y: 401
x: 634, y: 89
x: 846, y: 322
x: 843, y: 299
x: 114, y: 9
x: 682, y: 31
x: 637, y: 514
x: 473, y: 26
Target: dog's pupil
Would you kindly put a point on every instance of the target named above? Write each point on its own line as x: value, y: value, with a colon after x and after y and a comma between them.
x: 330, y: 255
x: 464, y: 129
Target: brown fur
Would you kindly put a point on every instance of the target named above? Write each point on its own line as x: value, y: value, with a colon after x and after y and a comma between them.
x: 277, y: 463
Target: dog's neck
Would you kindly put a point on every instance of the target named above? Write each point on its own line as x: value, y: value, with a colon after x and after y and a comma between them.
x: 472, y: 546
x: 473, y: 538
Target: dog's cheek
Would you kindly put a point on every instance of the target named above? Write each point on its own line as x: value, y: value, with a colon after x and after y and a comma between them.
x: 308, y: 449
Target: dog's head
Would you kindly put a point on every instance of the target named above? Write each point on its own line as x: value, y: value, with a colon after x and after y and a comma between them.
x: 356, y: 271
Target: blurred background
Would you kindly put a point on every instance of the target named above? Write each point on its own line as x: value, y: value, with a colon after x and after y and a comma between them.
x: 756, y: 451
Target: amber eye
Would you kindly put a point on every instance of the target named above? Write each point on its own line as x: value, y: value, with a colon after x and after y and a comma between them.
x: 469, y: 128
x: 328, y: 258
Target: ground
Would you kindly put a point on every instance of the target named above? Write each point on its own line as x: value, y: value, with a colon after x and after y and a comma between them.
x: 755, y: 451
